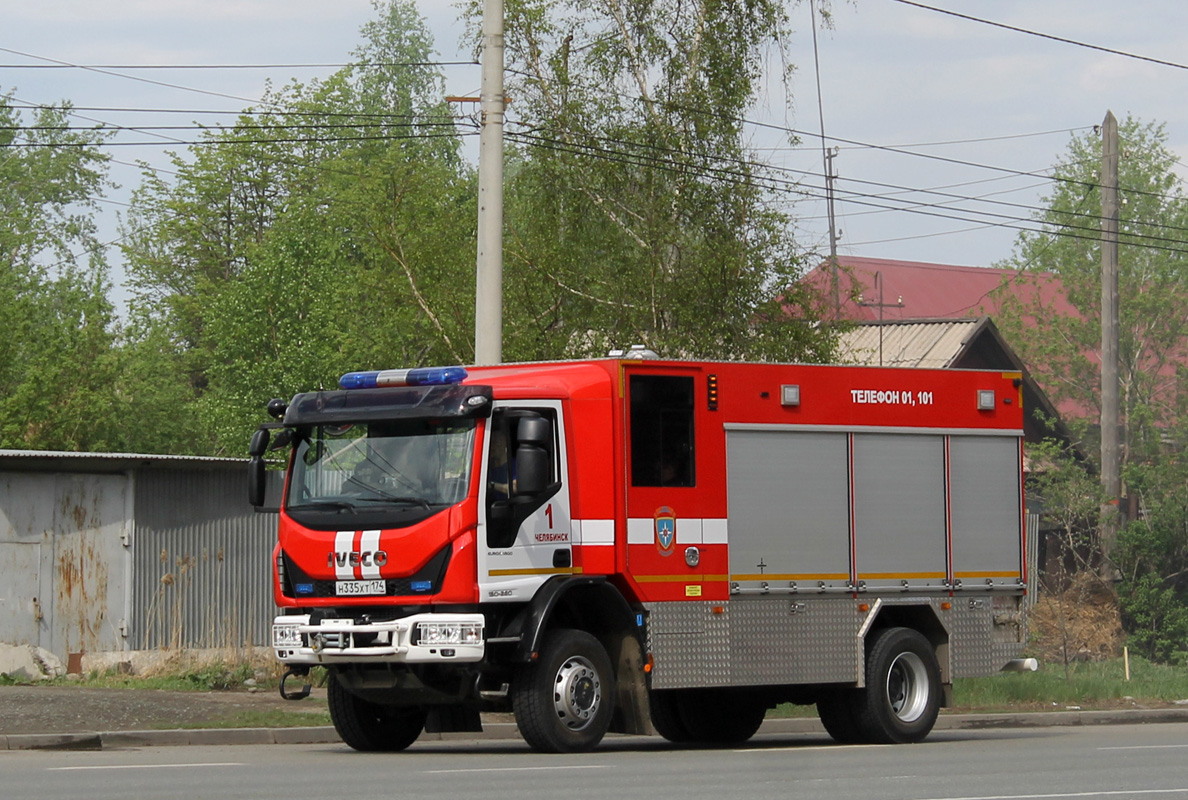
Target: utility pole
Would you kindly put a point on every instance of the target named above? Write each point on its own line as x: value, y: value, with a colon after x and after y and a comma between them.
x: 880, y: 305
x: 1111, y: 469
x: 488, y: 295
x: 830, y: 154
x: 827, y: 155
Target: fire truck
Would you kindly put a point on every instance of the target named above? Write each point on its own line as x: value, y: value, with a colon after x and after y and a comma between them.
x: 628, y: 544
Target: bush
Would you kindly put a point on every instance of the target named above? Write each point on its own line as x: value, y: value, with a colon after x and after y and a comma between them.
x: 1156, y: 620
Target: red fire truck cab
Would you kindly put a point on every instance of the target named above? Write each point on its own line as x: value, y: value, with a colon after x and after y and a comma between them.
x: 622, y: 545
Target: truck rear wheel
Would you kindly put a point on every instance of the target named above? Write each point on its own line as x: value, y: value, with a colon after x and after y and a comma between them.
x: 563, y: 701
x: 903, y: 688
x: 371, y: 727
x: 666, y: 715
x: 716, y: 716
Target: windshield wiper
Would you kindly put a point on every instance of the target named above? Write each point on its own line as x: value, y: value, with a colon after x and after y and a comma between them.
x: 383, y: 497
x: 339, y: 505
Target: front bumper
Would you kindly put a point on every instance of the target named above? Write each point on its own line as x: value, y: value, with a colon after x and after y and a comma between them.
x: 418, y: 639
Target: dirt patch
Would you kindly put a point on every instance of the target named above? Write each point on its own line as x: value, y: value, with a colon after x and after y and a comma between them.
x: 1080, y: 623
x: 77, y: 709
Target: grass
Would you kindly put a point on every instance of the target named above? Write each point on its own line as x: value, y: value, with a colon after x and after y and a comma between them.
x: 1089, y: 685
x: 1097, y: 685
x: 261, y: 719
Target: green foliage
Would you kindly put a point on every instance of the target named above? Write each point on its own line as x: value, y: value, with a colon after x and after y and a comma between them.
x: 57, y: 356
x: 635, y: 212
x: 1061, y: 343
x: 328, y: 231
x: 1153, y: 286
x: 1156, y: 619
x: 333, y: 227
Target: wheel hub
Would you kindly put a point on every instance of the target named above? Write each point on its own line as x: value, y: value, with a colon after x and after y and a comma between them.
x: 907, y: 687
x: 577, y: 693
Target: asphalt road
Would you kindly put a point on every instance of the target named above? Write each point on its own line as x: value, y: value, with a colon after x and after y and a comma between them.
x: 1110, y: 762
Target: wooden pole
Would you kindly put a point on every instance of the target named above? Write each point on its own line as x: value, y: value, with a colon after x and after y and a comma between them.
x: 1111, y: 467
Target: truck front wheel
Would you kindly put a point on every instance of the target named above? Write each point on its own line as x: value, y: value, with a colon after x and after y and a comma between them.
x: 563, y: 701
x: 372, y: 727
x: 903, y: 688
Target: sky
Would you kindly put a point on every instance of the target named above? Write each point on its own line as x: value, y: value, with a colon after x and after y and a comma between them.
x: 913, y: 99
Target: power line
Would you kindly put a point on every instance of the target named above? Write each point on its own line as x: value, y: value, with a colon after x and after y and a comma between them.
x: 1052, y: 37
x: 927, y: 209
x: 265, y: 112
x: 283, y: 140
x: 64, y: 65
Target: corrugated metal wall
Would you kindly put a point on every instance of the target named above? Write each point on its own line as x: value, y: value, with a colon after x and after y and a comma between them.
x: 201, y: 562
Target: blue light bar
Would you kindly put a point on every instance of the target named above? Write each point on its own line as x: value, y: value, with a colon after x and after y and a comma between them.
x: 421, y: 376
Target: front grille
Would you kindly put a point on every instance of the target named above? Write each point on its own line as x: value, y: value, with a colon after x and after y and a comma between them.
x: 426, y: 581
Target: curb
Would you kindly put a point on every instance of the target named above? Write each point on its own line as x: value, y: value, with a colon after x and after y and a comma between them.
x: 113, y: 740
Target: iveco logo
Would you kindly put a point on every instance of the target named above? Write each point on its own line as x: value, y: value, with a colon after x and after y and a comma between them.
x: 355, y: 558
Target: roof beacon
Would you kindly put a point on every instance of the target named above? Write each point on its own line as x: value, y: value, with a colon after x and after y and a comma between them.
x: 422, y: 376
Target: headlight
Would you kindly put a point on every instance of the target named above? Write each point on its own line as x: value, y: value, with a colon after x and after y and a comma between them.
x: 286, y: 636
x: 430, y: 634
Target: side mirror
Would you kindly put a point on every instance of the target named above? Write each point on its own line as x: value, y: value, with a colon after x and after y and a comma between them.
x: 534, y: 462
x: 259, y: 445
x: 257, y: 485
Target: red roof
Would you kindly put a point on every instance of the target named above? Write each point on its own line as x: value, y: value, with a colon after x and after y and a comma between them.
x: 873, y: 289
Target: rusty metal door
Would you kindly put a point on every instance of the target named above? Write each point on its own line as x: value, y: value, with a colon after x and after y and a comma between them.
x: 89, y: 569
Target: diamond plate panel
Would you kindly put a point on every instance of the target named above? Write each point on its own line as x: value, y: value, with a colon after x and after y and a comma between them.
x: 691, y: 644
x: 790, y: 639
x: 754, y: 641
x: 794, y: 640
x: 987, y: 633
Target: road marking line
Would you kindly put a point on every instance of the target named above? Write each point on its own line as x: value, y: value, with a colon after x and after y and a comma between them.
x: 512, y: 769
x: 1112, y: 793
x: 146, y: 766
x: 1144, y: 747
x: 813, y: 748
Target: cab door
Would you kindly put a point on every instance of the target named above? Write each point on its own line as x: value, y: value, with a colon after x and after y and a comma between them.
x: 676, y: 514
x: 524, y: 537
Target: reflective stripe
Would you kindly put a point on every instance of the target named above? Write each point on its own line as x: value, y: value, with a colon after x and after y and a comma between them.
x: 689, y: 530
x: 641, y: 531
x: 714, y: 531
x: 595, y: 532
x: 369, y: 542
x: 344, y: 543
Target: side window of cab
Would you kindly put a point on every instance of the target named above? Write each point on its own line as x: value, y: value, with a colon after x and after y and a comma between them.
x: 522, y: 469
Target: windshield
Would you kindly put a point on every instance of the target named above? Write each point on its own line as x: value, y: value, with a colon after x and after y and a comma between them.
x: 401, y: 470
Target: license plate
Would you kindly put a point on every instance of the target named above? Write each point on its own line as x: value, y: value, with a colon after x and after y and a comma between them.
x: 360, y: 587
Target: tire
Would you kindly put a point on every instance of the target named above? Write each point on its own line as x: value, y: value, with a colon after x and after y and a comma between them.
x: 714, y: 716
x: 903, y: 688
x: 563, y: 701
x: 836, y: 709
x: 371, y: 727
x: 666, y: 715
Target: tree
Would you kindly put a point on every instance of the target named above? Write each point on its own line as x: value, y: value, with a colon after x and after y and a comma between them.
x: 1063, y: 351
x: 57, y: 362
x: 1153, y: 286
x: 634, y: 211
x: 329, y: 229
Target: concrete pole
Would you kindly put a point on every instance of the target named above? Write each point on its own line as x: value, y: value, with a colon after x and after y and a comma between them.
x: 1111, y: 466
x: 488, y: 300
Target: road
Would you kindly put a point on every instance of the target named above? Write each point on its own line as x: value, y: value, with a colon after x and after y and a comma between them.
x: 1112, y: 762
